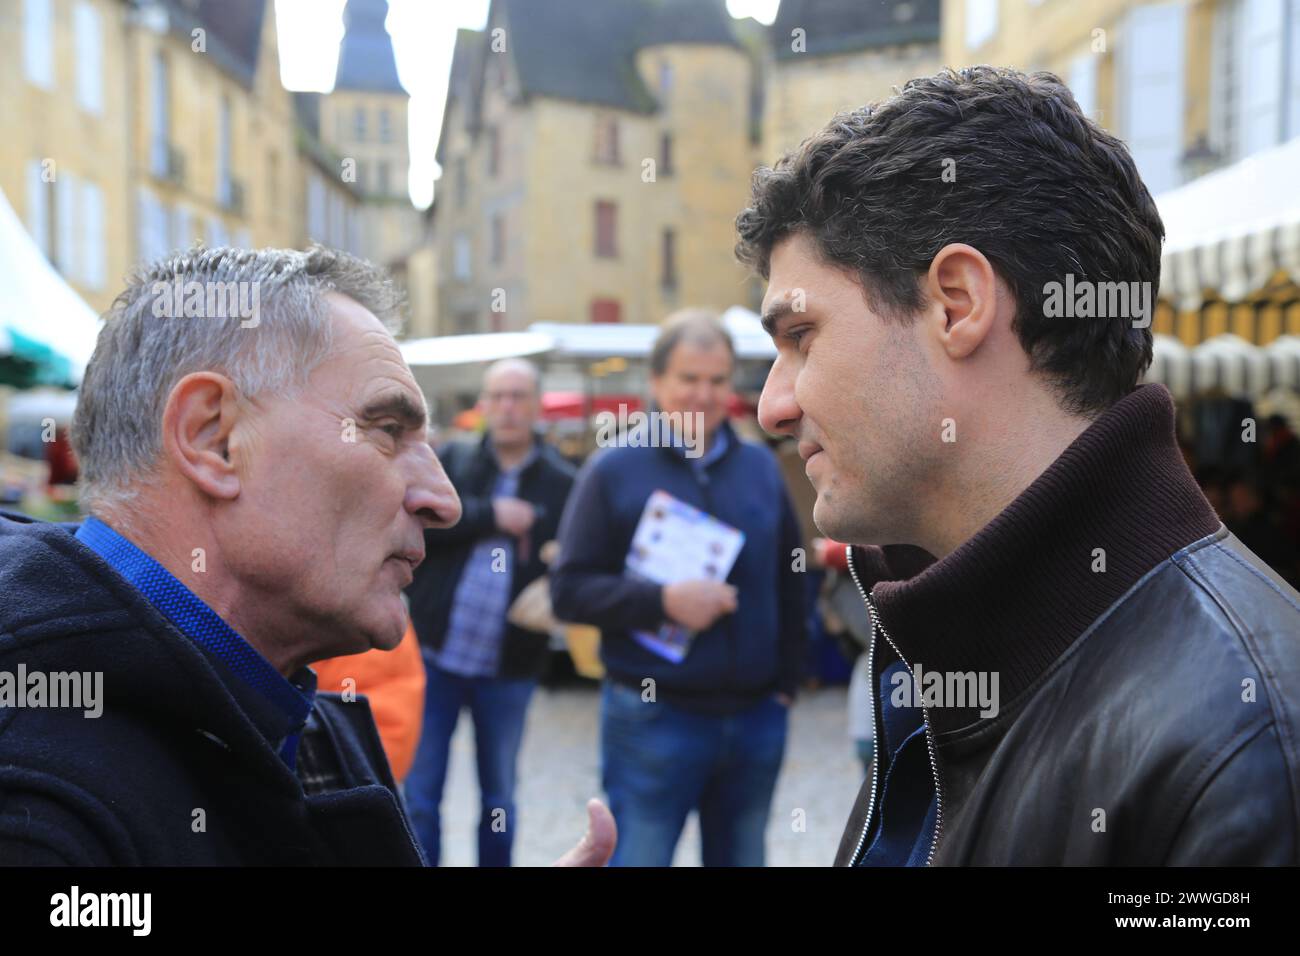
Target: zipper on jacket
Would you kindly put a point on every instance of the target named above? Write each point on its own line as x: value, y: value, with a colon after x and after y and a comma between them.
x: 876, y: 625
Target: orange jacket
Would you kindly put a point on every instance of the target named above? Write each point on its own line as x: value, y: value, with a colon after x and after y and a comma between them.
x: 835, y: 555
x: 394, y: 683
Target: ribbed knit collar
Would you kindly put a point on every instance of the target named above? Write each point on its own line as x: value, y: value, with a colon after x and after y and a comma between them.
x: 1013, y: 597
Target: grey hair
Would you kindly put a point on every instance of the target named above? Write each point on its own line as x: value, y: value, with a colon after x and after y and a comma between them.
x: 700, y: 327
x: 147, y: 345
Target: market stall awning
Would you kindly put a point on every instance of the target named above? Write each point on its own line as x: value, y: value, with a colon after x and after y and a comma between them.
x: 1229, y: 232
x: 471, y: 349
x: 47, y: 331
x: 612, y: 340
x: 746, y: 328
x: 26, y: 363
x: 558, y: 406
x: 35, y: 406
x: 1226, y: 362
x: 603, y: 340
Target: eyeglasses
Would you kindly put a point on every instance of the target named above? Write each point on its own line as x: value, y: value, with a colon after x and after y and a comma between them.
x: 497, y: 397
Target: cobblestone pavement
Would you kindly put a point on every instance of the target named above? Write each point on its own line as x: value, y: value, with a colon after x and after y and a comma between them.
x: 560, y: 769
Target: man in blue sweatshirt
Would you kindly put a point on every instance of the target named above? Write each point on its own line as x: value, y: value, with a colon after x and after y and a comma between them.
x: 706, y: 733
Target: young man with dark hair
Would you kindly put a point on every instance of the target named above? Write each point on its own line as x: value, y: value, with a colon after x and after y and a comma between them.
x: 1088, y: 668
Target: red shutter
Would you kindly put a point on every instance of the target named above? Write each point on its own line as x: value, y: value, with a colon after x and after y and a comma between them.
x: 605, y: 311
x: 606, y: 229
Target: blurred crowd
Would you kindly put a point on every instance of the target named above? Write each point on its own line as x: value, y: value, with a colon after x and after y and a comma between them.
x: 1251, y: 478
x: 537, y: 567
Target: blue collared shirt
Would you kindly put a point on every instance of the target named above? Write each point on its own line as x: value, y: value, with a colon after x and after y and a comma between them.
x: 908, y: 805
x: 290, y: 700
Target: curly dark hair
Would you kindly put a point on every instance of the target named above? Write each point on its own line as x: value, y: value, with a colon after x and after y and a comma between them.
x: 1033, y: 184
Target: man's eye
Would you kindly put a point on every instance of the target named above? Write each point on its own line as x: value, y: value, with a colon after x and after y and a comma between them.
x: 394, y: 429
x: 796, y: 335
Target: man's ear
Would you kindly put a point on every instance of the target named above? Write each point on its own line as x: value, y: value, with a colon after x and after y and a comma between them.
x: 962, y: 281
x: 201, y: 412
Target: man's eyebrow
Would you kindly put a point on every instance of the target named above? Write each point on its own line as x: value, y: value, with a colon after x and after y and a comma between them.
x: 774, y: 314
x: 398, y: 405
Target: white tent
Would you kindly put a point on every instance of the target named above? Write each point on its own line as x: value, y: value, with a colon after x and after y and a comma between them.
x: 598, y: 340
x: 566, y: 340
x: 470, y: 349
x: 1228, y: 362
x: 36, y: 302
x: 1231, y: 363
x: 746, y: 330
x: 1171, y: 365
x: 1283, y: 357
x: 37, y: 404
x: 1231, y: 230
x: 446, y: 364
x: 636, y: 341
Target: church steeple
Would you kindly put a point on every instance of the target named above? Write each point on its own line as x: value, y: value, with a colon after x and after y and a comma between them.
x: 366, y: 59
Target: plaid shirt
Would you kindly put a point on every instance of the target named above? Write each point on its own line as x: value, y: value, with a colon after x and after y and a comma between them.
x: 478, y: 611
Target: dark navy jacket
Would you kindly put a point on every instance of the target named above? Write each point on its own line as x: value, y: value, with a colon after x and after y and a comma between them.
x: 473, y: 472
x: 752, y: 653
x: 175, y: 771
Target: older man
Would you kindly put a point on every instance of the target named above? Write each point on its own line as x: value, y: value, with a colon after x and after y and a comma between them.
x: 703, y: 730
x: 258, y: 494
x: 513, y: 487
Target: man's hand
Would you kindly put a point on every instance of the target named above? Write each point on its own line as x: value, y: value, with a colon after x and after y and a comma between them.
x: 597, y: 844
x: 514, y: 516
x: 697, y: 604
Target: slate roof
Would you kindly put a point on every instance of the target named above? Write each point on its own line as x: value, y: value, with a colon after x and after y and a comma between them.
x: 845, y: 26
x: 463, y: 82
x: 233, y: 31
x: 585, y: 51
x: 580, y: 50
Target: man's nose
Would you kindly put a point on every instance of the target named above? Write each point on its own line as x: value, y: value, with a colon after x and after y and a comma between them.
x: 430, y: 495
x: 778, y: 412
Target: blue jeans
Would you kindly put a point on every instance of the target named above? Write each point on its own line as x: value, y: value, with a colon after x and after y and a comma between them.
x: 498, y: 708
x: 660, y: 762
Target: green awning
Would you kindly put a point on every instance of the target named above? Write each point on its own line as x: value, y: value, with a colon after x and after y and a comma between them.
x: 26, y: 363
